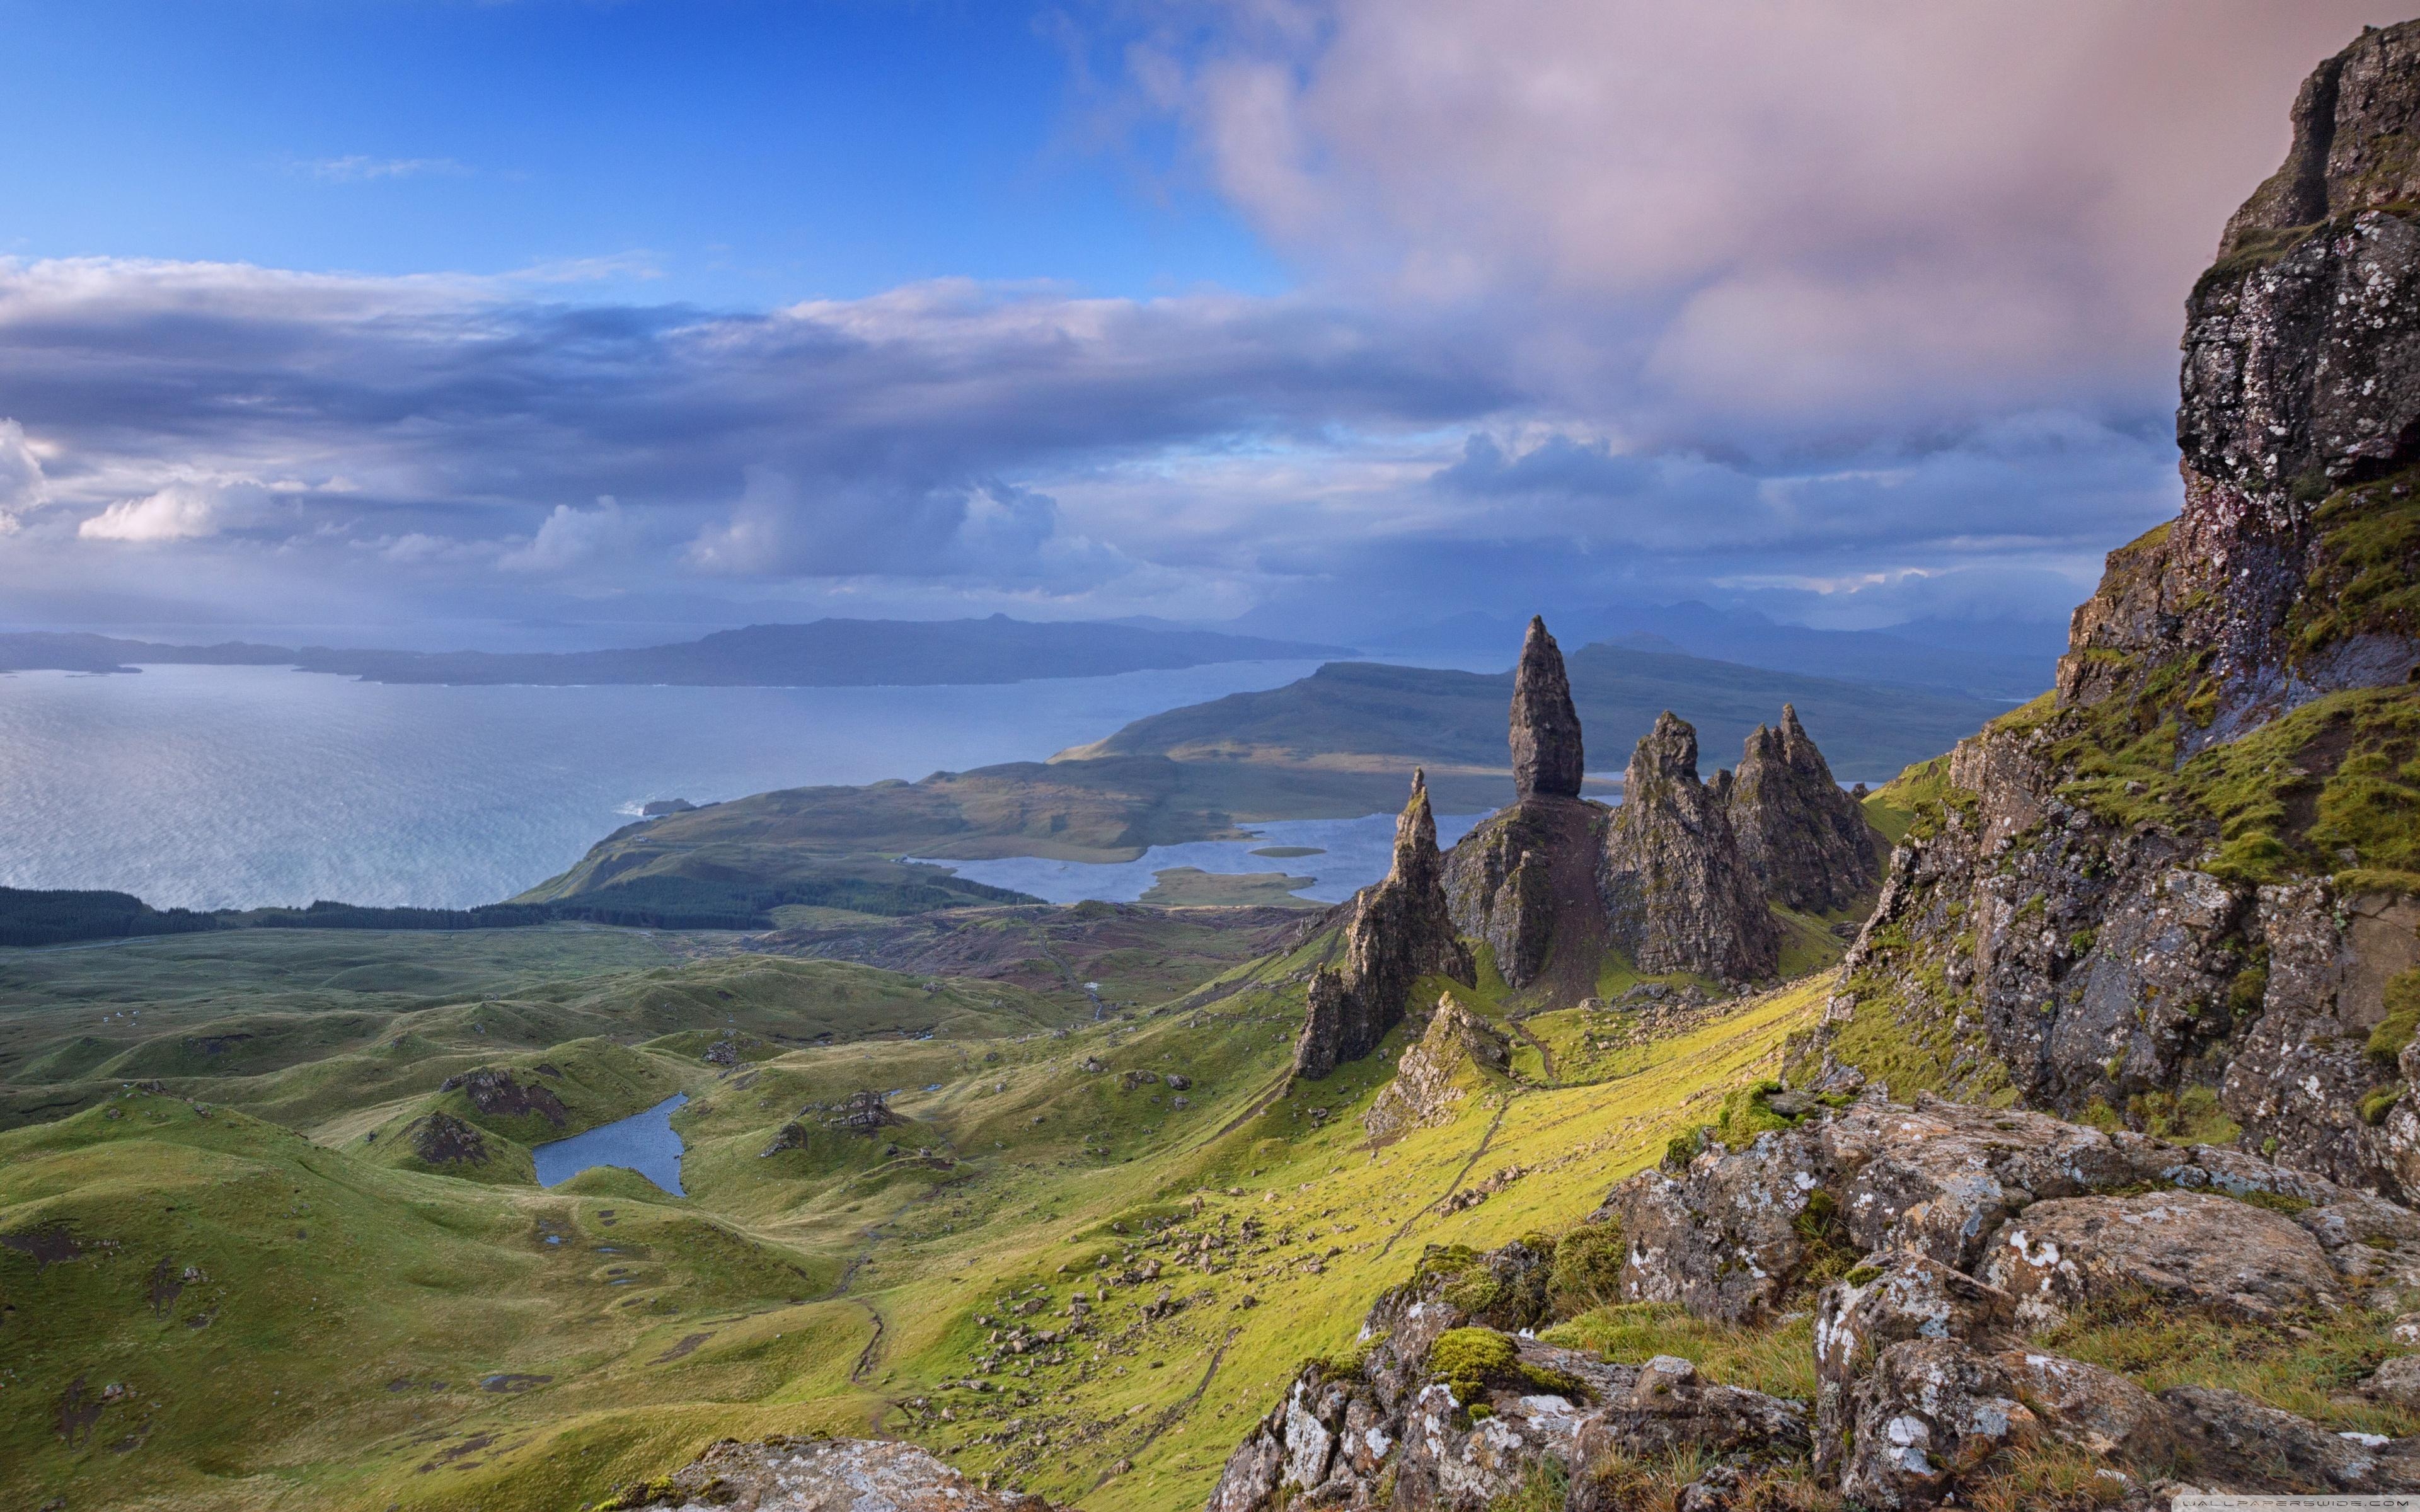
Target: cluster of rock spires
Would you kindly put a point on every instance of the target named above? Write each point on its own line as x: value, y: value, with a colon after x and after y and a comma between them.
x: 1936, y: 1244
x: 2084, y: 952
x: 1677, y: 879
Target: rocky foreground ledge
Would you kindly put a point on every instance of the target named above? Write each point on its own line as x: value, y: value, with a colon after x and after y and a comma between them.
x: 1936, y: 1244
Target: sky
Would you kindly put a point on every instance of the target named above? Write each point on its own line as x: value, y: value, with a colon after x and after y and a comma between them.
x: 440, y: 322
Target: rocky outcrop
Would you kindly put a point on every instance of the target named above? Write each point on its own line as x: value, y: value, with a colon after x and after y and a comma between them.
x: 1523, y: 881
x: 1677, y: 894
x: 866, y: 1113
x: 1547, y: 758
x: 1457, y: 1050
x: 498, y: 1093
x: 2177, y: 889
x: 818, y: 1475
x: 443, y: 1139
x: 1936, y: 1244
x: 1401, y: 930
x: 1803, y: 840
x: 1451, y: 1404
x: 2217, y: 1255
x: 2301, y: 377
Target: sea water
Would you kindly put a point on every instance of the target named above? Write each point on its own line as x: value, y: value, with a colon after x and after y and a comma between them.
x: 215, y: 787
x: 643, y: 1142
x: 1353, y: 852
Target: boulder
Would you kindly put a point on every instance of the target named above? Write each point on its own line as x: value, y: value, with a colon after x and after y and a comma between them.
x: 1925, y: 1416
x: 1892, y: 1299
x: 2212, y: 1252
x: 1668, y: 1410
x: 2395, y: 1379
x: 2097, y: 1410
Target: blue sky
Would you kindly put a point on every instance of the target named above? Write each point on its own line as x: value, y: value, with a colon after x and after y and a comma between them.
x: 725, y: 152
x: 391, y: 320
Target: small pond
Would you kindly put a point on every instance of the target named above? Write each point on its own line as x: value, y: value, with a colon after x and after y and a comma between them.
x: 643, y: 1142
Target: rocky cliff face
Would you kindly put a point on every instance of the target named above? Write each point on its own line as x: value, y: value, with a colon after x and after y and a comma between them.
x: 2180, y: 888
x: 1401, y: 931
x: 1803, y: 840
x: 1678, y: 896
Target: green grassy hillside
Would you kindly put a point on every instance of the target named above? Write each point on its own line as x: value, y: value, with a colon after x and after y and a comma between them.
x: 227, y: 1294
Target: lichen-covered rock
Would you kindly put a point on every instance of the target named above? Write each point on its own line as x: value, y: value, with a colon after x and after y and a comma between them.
x: 1930, y: 1414
x: 1923, y: 1377
x: 1678, y: 897
x: 1401, y: 930
x: 1668, y: 1410
x: 1804, y: 839
x: 1893, y: 1298
x: 2210, y: 1251
x: 822, y: 1475
x: 1547, y: 756
x: 1457, y: 1050
x: 2097, y: 1410
x: 866, y: 1113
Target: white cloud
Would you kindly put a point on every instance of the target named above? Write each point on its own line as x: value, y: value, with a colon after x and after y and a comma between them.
x: 356, y: 168
x: 184, y: 510
x: 23, y: 486
x: 1734, y: 214
x: 568, y: 537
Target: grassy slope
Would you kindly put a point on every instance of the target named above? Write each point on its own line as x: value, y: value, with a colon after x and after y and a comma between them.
x: 329, y: 1275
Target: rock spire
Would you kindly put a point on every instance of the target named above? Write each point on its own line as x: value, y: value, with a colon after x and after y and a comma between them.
x: 1547, y: 755
x: 1803, y: 840
x: 1401, y: 931
x: 1676, y: 893
x: 1523, y: 881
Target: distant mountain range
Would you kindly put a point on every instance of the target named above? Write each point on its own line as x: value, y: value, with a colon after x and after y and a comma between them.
x: 823, y: 654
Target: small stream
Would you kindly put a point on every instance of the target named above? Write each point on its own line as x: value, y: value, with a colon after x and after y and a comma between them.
x: 643, y: 1142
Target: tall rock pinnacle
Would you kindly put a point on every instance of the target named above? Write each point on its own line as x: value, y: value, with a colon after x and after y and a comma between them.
x: 1400, y: 933
x: 1546, y: 756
